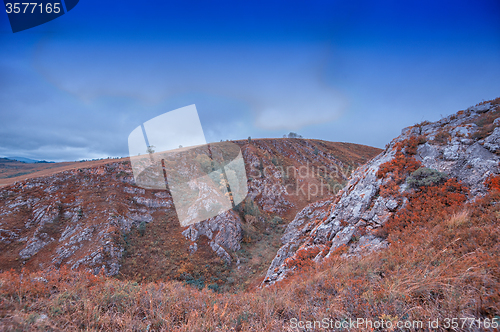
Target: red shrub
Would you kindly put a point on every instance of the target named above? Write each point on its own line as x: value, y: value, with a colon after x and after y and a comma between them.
x: 398, y: 169
x: 433, y: 201
x: 302, y: 258
x: 412, y: 144
x: 493, y: 182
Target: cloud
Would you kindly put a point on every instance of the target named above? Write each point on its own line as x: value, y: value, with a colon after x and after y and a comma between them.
x: 312, y: 104
x: 281, y: 84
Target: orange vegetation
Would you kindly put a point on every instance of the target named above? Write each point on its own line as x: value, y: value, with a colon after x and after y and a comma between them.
x: 493, y: 182
x: 398, y: 168
x: 302, y: 258
x: 428, y: 202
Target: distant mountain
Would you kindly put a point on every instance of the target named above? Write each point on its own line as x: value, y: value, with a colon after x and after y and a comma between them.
x: 28, y: 160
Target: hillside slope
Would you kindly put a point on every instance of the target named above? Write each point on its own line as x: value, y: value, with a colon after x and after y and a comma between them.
x: 464, y: 146
x: 15, y: 171
x: 97, y: 218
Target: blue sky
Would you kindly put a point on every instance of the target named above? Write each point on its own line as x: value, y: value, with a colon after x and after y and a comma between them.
x: 352, y: 71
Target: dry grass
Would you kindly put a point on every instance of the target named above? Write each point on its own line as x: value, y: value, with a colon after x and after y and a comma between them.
x: 458, y: 220
x: 447, y: 266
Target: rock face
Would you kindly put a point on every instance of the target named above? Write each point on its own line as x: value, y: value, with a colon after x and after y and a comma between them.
x: 74, y: 218
x: 223, y: 231
x: 79, y: 218
x: 463, y: 145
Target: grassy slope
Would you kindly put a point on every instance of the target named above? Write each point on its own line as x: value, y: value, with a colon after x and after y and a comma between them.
x: 439, y: 265
x: 12, y: 170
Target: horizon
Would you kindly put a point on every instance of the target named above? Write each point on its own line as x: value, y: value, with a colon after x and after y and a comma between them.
x: 127, y: 156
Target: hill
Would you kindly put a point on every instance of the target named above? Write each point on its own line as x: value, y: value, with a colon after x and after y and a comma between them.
x: 459, y: 151
x: 95, y: 217
x: 12, y: 170
x: 28, y: 160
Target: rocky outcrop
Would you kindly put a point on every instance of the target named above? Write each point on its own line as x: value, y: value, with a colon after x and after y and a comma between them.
x: 463, y: 145
x: 223, y: 231
x: 73, y: 217
x: 296, y: 231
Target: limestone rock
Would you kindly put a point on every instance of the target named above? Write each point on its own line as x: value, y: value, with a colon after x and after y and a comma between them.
x: 492, y: 142
x: 359, y: 209
x: 226, y: 226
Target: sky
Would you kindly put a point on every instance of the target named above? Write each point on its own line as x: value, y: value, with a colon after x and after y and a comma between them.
x: 351, y: 71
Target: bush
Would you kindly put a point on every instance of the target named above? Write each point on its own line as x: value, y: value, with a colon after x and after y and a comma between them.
x: 442, y: 137
x: 294, y: 135
x: 485, y: 124
x: 432, y: 202
x: 276, y: 220
x: 424, y: 177
x: 493, y: 182
x: 142, y: 228
x: 251, y: 208
x: 303, y: 258
x: 412, y: 144
x: 396, y: 170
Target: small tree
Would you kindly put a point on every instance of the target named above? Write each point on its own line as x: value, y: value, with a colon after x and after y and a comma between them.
x: 142, y: 228
x: 251, y: 208
x: 294, y: 135
x: 150, y: 149
x: 249, y: 139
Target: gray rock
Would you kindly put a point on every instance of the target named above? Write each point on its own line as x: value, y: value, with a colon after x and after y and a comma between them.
x: 134, y: 190
x: 451, y: 152
x: 366, y: 244
x: 492, y: 142
x: 226, y: 226
x: 392, y: 204
x: 342, y: 238
x: 480, y: 108
x: 34, y: 245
